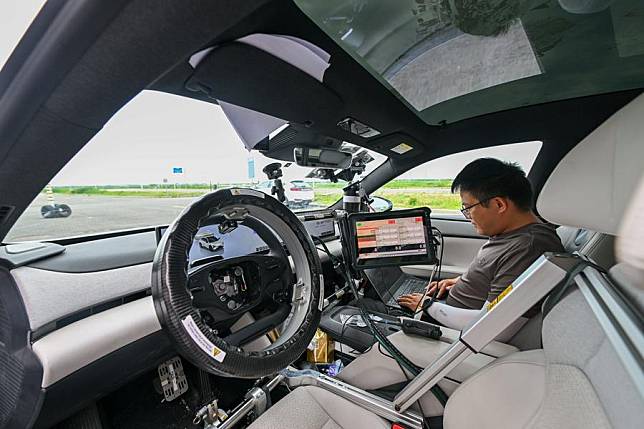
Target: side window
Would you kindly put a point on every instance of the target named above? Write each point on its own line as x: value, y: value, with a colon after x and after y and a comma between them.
x: 429, y: 184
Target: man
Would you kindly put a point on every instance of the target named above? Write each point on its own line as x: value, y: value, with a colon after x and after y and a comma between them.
x: 497, y: 197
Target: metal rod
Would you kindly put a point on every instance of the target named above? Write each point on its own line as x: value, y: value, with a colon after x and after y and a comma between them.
x: 239, y: 413
x: 431, y: 375
x: 366, y: 400
x: 247, y: 406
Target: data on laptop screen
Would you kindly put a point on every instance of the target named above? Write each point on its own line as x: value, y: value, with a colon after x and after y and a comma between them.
x: 397, y: 238
x: 391, y: 237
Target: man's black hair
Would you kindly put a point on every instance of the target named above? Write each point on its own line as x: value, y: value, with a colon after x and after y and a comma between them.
x: 488, y: 177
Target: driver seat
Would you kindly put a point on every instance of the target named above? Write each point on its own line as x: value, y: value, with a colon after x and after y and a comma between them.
x: 578, y: 379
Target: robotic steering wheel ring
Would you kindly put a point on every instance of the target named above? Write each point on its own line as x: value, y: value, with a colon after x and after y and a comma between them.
x: 182, y: 321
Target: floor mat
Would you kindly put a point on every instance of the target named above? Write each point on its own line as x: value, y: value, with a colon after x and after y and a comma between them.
x: 88, y: 418
x: 139, y: 405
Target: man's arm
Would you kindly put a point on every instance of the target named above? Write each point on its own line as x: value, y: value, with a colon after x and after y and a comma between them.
x: 452, y: 317
x: 460, y: 318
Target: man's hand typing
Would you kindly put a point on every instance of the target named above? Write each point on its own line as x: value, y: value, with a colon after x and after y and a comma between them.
x: 413, y: 301
x: 443, y: 286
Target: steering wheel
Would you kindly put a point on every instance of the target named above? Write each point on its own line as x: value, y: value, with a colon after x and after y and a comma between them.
x: 189, y: 300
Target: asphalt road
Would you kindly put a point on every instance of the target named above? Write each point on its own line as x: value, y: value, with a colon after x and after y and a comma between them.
x: 98, y: 213
x: 95, y: 214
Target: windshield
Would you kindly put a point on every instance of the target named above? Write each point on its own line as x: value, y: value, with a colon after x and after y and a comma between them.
x: 455, y: 59
x: 151, y: 160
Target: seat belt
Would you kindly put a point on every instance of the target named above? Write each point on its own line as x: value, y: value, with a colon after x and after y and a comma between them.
x: 562, y: 288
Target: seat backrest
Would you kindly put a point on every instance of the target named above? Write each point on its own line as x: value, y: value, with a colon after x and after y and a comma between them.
x: 592, y: 185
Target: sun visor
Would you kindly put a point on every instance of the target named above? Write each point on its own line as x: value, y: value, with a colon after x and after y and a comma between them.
x: 263, y: 81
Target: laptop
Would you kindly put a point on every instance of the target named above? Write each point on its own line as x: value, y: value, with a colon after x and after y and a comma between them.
x: 391, y: 282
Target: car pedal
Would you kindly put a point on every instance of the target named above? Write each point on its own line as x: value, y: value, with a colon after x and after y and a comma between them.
x: 173, y: 379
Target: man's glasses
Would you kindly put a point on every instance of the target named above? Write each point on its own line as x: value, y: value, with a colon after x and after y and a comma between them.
x: 466, y: 210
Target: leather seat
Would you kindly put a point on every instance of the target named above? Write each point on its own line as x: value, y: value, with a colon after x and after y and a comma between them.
x: 313, y: 407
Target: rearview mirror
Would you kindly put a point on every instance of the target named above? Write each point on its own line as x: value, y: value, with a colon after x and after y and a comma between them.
x: 321, y: 158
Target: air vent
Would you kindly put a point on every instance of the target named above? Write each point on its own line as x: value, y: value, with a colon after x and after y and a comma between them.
x: 5, y: 211
x: 284, y: 138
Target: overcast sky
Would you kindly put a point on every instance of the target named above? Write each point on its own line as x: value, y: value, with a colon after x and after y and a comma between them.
x: 156, y: 132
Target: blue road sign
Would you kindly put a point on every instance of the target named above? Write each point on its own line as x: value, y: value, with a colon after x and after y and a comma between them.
x: 251, y: 168
x: 177, y: 170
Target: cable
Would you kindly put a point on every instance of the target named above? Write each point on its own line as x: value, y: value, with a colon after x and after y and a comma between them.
x: 420, y: 301
x: 379, y: 336
x: 440, y: 267
x: 391, y: 349
x: 425, y: 423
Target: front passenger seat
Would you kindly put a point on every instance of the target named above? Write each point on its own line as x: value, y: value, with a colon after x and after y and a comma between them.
x: 582, y: 378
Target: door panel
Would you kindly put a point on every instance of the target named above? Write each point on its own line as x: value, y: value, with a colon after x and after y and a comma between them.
x: 462, y: 243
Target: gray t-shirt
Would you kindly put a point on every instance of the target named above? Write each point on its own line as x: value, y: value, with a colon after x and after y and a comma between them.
x: 500, y: 261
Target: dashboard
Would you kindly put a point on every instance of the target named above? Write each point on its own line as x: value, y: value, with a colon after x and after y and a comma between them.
x: 85, y: 310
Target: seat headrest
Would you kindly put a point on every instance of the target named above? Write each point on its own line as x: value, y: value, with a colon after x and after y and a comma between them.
x: 593, y: 183
x: 630, y: 243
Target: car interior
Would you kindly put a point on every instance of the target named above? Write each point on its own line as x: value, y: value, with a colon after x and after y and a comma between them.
x: 147, y: 327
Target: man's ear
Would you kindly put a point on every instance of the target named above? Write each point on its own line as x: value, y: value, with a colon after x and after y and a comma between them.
x: 500, y: 204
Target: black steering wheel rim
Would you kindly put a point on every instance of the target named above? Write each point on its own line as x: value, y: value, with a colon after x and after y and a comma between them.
x: 172, y: 300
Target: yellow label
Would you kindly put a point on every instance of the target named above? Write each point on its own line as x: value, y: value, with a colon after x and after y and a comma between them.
x: 499, y: 298
x: 321, y: 348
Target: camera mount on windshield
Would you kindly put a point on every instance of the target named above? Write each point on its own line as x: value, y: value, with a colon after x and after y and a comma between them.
x: 274, y: 171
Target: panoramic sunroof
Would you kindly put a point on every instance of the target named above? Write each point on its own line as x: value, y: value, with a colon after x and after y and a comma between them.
x: 455, y: 59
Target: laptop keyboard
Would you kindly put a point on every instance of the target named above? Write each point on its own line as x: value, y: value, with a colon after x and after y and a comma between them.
x: 409, y: 285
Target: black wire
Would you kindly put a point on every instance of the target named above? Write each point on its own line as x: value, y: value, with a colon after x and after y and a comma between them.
x: 380, y: 337
x: 438, y: 271
x: 344, y: 325
x: 326, y: 249
x: 335, y: 260
x: 425, y: 424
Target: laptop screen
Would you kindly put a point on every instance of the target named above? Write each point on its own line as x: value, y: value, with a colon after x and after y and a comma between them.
x: 391, y: 239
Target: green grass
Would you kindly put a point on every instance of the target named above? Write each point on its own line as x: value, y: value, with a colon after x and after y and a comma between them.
x: 89, y: 190
x: 418, y: 199
x: 445, y: 201
x: 406, y: 200
x: 396, y: 184
x: 327, y: 200
x: 418, y: 183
